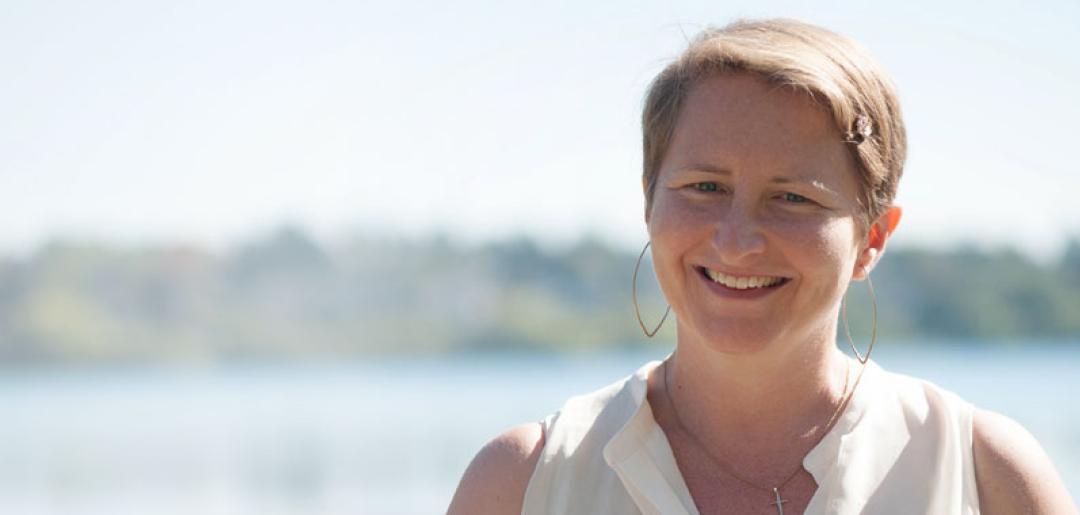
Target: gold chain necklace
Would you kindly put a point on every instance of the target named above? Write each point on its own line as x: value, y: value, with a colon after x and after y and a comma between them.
x: 775, y: 491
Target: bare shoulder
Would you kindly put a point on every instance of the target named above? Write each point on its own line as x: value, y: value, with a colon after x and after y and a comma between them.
x: 1013, y: 473
x: 496, y: 479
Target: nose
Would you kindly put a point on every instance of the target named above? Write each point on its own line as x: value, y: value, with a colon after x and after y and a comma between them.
x: 739, y: 235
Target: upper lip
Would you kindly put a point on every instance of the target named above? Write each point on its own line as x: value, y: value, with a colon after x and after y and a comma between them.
x: 741, y: 273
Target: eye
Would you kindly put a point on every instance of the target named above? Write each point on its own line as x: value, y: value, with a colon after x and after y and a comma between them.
x: 795, y: 198
x: 707, y: 187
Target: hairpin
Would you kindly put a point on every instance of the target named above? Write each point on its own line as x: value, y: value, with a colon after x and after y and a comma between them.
x: 863, y: 130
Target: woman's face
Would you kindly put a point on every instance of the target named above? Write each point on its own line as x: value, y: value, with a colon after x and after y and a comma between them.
x: 753, y: 221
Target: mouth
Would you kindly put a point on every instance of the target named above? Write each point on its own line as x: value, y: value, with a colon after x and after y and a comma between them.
x: 743, y: 283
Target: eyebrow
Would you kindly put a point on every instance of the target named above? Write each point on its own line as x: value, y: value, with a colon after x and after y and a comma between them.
x: 704, y: 168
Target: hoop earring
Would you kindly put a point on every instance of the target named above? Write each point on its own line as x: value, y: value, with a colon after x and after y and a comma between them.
x: 847, y: 330
x: 633, y: 296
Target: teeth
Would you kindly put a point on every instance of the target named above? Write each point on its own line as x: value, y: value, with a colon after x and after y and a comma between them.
x: 742, y: 283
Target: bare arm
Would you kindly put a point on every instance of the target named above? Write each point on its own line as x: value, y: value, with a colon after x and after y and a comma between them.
x: 1013, y: 473
x: 494, y: 483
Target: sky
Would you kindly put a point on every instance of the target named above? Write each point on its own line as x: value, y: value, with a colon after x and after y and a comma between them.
x: 209, y: 122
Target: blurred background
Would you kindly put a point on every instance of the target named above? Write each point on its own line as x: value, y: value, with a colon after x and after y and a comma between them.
x: 283, y: 257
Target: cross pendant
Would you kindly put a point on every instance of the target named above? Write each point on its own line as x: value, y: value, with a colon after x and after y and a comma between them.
x: 779, y: 503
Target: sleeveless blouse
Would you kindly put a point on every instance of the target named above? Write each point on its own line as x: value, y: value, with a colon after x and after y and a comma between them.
x: 902, y: 446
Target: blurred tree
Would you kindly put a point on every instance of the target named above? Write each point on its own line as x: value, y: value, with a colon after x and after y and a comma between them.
x: 285, y: 295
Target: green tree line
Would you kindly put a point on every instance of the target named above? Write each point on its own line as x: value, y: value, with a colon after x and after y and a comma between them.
x: 286, y: 296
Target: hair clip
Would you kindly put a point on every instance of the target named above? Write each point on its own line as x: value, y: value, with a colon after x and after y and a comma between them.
x: 863, y: 130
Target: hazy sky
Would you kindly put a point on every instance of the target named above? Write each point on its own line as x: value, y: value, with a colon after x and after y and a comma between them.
x: 204, y: 122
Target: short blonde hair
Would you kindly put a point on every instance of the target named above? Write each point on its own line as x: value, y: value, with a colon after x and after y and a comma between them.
x: 831, y: 68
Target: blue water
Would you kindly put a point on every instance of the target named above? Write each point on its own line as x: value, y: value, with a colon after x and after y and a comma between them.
x: 388, y: 436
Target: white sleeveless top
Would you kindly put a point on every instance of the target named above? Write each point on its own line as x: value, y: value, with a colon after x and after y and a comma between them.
x: 902, y: 446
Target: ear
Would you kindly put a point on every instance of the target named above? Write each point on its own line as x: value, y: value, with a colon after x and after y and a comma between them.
x: 645, y: 190
x: 876, y: 237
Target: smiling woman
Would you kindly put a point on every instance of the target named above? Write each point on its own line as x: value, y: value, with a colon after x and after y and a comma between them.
x: 772, y: 155
x: 774, y: 145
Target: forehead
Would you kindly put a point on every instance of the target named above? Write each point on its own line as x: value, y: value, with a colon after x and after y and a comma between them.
x: 740, y: 122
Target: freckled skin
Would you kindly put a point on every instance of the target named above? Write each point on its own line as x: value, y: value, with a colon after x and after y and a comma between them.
x: 745, y: 221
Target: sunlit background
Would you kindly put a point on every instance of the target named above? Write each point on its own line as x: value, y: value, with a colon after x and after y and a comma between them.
x: 284, y: 257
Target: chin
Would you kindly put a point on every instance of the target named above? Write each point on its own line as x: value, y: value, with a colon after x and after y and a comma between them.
x: 731, y: 336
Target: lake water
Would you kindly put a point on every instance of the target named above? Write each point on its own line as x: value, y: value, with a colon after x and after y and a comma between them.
x: 383, y: 437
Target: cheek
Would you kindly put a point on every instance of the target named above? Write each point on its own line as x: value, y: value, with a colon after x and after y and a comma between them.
x: 826, y: 247
x: 670, y: 220
x: 674, y: 230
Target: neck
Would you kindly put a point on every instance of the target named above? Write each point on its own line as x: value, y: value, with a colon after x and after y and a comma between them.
x: 777, y: 400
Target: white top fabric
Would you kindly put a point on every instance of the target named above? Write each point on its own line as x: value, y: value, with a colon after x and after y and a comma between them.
x: 902, y: 446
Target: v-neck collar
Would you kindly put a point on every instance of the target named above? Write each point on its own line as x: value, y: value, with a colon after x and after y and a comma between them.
x: 641, y: 455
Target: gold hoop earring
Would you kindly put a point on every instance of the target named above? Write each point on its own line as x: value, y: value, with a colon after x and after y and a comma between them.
x: 847, y: 330
x: 633, y: 296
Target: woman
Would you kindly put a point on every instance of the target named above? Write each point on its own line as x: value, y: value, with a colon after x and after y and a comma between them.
x: 772, y: 155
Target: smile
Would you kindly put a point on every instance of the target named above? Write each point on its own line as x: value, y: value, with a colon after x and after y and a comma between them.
x: 743, y: 283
